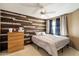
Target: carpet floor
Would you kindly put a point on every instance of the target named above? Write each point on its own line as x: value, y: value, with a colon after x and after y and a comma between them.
x: 33, y: 50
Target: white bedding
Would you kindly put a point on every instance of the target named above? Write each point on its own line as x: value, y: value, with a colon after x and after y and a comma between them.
x: 50, y: 43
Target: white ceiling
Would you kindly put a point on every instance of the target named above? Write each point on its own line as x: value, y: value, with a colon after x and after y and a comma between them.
x: 32, y: 9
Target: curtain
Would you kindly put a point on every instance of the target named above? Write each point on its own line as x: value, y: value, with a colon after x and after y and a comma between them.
x: 51, y: 27
x: 47, y: 26
x: 54, y: 27
x: 63, y: 25
x: 57, y: 27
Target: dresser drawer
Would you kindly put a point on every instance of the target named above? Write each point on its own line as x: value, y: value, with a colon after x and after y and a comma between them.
x: 12, y: 44
x: 15, y: 41
x: 14, y: 49
x: 16, y: 38
x: 15, y: 45
x: 20, y: 47
x: 10, y: 50
x: 15, y: 34
x: 20, y: 43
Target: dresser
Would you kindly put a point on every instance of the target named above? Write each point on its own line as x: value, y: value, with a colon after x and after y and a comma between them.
x: 15, y: 41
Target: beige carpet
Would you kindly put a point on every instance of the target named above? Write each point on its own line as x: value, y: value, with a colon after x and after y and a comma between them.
x: 33, y: 50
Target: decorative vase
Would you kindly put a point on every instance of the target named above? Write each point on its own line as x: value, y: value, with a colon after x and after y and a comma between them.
x: 10, y: 29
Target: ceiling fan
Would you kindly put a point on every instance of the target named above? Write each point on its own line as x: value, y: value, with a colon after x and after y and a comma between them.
x: 42, y: 9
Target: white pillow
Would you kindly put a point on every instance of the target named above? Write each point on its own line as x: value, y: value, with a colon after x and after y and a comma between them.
x: 43, y: 33
x: 38, y: 33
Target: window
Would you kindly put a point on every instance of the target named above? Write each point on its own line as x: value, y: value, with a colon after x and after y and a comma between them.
x: 55, y: 26
x: 57, y: 29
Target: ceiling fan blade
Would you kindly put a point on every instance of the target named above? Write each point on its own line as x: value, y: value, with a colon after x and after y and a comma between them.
x: 36, y: 9
x: 39, y: 6
x: 50, y: 12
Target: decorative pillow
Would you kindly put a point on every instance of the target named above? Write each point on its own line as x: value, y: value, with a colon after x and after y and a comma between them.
x: 43, y: 33
x: 38, y: 33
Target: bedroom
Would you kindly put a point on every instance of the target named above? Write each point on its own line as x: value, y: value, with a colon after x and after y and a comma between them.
x: 37, y: 29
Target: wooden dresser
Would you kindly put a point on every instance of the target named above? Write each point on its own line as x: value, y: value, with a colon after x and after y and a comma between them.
x: 15, y: 41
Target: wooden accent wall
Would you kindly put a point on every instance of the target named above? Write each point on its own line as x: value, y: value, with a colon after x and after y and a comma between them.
x: 10, y: 19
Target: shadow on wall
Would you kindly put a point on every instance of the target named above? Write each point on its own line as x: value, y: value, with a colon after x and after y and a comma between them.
x: 74, y: 42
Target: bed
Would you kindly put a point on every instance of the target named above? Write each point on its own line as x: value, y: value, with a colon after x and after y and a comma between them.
x: 50, y: 43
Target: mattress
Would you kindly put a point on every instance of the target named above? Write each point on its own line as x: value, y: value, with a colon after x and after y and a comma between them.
x: 50, y: 43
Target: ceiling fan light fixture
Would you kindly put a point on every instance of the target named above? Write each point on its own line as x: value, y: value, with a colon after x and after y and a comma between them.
x: 43, y: 11
x: 42, y: 16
